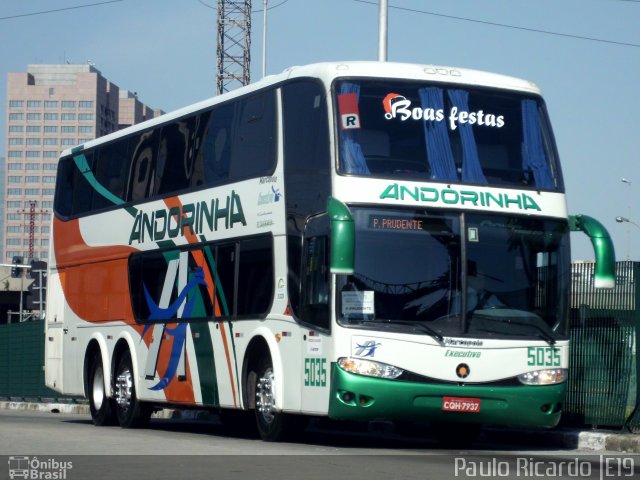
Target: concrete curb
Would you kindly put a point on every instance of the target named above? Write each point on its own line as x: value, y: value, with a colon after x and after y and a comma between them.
x: 564, y: 438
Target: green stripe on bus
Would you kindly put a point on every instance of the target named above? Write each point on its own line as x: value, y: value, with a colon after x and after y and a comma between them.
x: 216, y: 279
x: 83, y: 167
x: 205, y: 360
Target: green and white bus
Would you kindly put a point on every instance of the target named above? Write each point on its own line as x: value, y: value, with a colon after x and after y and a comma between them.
x: 353, y: 240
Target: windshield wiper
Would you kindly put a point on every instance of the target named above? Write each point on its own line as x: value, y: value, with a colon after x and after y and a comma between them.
x: 546, y: 336
x: 411, y: 323
x: 542, y: 333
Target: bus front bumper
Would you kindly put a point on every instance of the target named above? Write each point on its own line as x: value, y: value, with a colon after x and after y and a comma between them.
x: 357, y: 397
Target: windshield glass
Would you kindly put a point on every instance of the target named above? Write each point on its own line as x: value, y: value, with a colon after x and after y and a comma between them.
x: 409, y: 130
x: 409, y: 267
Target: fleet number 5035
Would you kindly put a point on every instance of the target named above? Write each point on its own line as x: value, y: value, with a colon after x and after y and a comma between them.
x: 543, y: 356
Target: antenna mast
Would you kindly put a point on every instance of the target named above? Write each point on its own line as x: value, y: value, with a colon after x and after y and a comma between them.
x: 234, y: 44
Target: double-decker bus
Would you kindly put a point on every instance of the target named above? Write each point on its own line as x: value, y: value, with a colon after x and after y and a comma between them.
x: 353, y: 240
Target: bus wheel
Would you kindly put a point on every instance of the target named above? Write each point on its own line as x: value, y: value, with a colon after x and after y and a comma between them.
x: 271, y: 424
x: 100, y: 406
x: 131, y: 412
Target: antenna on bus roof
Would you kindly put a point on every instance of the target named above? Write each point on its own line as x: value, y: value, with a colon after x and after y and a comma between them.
x: 382, y: 31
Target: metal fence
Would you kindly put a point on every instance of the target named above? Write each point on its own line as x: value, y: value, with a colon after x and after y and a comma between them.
x: 22, y: 361
x: 602, y: 388
x: 604, y: 367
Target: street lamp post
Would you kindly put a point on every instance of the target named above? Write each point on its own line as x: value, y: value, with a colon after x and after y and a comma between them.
x: 621, y: 219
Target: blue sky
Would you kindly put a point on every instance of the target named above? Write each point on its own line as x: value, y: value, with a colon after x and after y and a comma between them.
x: 166, y: 51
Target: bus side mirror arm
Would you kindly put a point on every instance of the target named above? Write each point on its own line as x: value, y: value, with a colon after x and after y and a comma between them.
x: 605, y: 269
x: 342, y: 237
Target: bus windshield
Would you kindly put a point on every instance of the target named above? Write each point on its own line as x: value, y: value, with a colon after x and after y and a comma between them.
x: 512, y: 283
x: 417, y: 131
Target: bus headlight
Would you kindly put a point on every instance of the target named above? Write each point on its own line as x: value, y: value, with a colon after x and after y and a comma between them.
x: 369, y: 368
x: 544, y: 377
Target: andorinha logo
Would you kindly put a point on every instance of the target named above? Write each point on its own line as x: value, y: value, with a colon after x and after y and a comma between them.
x: 398, y: 106
x: 195, y: 218
x: 450, y: 196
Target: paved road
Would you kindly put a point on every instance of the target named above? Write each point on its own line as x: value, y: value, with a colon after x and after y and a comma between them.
x: 185, y: 449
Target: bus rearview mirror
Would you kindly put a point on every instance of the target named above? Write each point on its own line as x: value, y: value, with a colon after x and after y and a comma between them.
x: 342, y: 237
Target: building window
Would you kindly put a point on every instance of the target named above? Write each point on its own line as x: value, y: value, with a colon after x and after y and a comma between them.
x: 49, y: 179
x: 33, y: 141
x: 44, y: 242
x: 13, y: 241
x: 32, y: 192
x: 87, y: 129
x: 67, y: 141
x: 15, y: 141
x: 85, y: 116
x: 16, y: 103
x: 50, y: 129
x: 50, y: 141
x: 34, y: 117
x: 33, y: 128
x: 68, y: 129
x: 33, y: 154
x: 50, y: 103
x: 14, y: 216
x: 14, y: 166
x: 68, y: 104
x: 46, y: 229
x: 16, y: 116
x: 50, y: 154
x: 32, y: 179
x: 15, y: 154
x: 16, y: 128
x: 33, y: 166
x: 14, y: 179
x: 14, y: 191
x: 50, y: 166
x: 34, y: 104
x: 52, y: 92
x: 50, y: 117
x: 68, y: 117
x: 47, y: 204
x: 14, y: 204
x: 85, y: 104
x: 48, y: 191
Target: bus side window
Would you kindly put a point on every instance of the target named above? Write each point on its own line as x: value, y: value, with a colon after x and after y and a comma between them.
x: 216, y: 151
x: 110, y: 169
x: 253, y: 153
x: 315, y: 282
x: 143, y: 152
x: 75, y: 189
x: 255, y: 276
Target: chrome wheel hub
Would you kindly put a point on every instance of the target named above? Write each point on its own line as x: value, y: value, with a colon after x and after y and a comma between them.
x: 97, y: 389
x: 265, y: 399
x: 124, y: 387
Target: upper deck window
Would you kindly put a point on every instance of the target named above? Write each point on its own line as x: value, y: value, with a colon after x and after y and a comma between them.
x: 417, y: 131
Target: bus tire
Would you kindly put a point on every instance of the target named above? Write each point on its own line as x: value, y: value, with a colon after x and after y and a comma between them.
x: 270, y: 423
x: 101, y: 407
x: 130, y: 411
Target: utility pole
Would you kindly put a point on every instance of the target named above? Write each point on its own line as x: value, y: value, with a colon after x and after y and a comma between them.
x: 383, y: 21
x: 234, y: 45
x: 264, y: 38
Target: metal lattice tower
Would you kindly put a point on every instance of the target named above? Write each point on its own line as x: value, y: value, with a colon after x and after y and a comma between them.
x: 234, y: 44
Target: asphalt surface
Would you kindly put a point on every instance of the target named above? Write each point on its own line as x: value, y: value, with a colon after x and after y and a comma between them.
x: 561, y: 438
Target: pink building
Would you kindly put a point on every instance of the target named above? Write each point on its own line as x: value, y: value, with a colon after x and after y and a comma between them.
x: 51, y: 108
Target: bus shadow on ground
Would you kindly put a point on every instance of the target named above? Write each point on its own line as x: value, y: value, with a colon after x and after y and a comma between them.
x: 379, y: 435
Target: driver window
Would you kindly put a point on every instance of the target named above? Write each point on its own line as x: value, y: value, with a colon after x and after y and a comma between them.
x: 315, y: 274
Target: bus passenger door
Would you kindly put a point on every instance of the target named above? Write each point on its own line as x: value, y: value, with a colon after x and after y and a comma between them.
x: 316, y: 317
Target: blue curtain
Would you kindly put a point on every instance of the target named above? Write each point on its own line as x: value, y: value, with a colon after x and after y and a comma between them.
x: 436, y: 137
x: 471, y: 168
x: 351, y: 157
x: 533, y: 156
